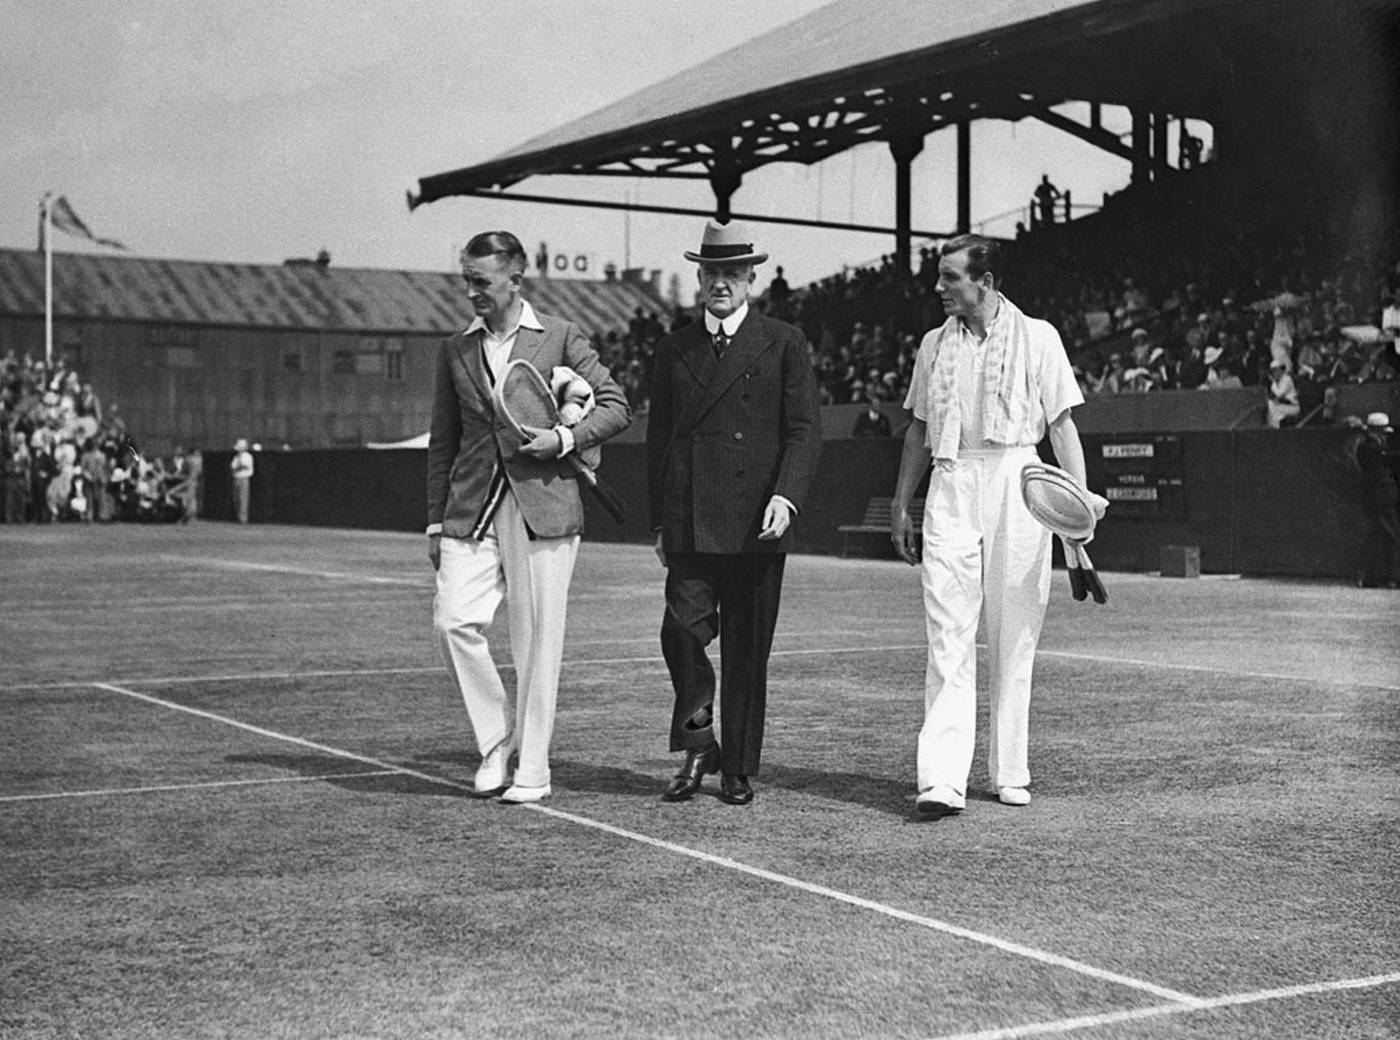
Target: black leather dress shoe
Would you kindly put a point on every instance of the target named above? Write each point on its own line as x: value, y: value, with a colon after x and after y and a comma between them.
x: 735, y: 789
x: 698, y: 762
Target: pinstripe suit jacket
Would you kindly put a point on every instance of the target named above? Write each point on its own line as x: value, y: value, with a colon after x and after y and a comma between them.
x: 467, y: 438
x: 724, y: 436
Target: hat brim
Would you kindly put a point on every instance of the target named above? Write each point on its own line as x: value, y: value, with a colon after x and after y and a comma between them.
x: 742, y: 258
x: 1057, y: 502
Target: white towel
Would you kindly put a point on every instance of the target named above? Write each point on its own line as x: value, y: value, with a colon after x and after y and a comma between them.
x: 1006, y: 384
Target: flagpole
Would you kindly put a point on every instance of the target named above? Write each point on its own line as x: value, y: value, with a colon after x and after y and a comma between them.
x: 48, y: 279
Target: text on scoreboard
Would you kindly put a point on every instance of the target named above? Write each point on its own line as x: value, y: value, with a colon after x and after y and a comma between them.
x: 1143, y: 477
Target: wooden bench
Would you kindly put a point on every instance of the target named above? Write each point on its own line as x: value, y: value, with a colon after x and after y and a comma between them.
x: 877, y: 522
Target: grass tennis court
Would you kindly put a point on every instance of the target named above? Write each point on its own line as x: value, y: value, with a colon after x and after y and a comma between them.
x: 233, y: 786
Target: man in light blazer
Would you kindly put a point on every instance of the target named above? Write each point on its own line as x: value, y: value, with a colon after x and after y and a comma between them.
x: 504, y: 519
x: 733, y: 441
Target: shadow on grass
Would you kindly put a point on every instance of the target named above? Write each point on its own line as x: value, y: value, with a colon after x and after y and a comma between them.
x: 601, y: 779
x: 334, y: 771
x: 879, y: 793
x: 569, y: 775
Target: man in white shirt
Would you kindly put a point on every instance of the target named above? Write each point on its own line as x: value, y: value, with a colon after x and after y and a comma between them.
x: 241, y: 469
x: 504, y: 519
x: 986, y: 387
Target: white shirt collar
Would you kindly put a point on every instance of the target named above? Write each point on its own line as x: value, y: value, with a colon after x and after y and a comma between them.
x: 528, y: 320
x: 730, y: 324
x: 992, y: 326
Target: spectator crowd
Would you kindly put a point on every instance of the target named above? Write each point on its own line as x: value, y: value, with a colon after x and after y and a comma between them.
x: 1143, y: 298
x: 69, y: 459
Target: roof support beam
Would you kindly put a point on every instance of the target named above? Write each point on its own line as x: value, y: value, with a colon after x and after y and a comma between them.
x: 756, y: 218
x: 1094, y: 135
x: 964, y: 176
x: 904, y: 148
x: 1142, y: 146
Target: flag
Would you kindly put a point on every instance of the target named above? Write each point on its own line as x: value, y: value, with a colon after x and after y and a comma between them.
x: 62, y: 216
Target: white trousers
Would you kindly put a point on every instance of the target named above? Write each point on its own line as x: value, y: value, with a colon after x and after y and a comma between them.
x: 984, y: 556
x: 533, y: 578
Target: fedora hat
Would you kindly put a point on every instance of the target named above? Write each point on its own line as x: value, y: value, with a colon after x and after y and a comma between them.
x: 1379, y: 421
x: 726, y: 244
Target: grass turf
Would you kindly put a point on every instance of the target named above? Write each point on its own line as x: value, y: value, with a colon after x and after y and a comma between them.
x: 1215, y: 811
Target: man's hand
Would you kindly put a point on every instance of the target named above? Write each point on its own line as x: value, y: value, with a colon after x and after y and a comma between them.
x: 546, y: 444
x: 435, y: 550
x: 660, y: 552
x: 776, y: 519
x: 1100, y: 505
x: 903, y: 536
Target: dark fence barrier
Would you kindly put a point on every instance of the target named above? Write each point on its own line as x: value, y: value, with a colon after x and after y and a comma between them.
x: 1261, y: 502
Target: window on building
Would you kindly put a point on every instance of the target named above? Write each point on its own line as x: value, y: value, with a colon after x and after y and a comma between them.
x: 393, y: 360
x: 343, y: 363
x: 292, y: 359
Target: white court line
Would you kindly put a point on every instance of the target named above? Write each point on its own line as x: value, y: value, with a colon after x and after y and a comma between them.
x: 176, y: 680
x: 156, y: 788
x: 276, y: 568
x: 1018, y: 949
x: 1142, y: 662
x: 651, y: 659
x: 1069, y: 1025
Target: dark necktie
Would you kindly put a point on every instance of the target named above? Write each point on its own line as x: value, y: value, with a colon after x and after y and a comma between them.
x: 719, y: 340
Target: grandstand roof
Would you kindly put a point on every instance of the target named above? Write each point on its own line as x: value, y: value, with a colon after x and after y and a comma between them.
x: 857, y: 70
x: 285, y: 296
x: 848, y: 56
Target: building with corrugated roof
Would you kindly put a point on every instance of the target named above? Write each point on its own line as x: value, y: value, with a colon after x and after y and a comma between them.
x: 300, y: 353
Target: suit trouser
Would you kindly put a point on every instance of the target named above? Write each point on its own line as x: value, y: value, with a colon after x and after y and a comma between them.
x: 983, y: 556
x: 242, y: 496
x: 734, y: 596
x: 533, y: 577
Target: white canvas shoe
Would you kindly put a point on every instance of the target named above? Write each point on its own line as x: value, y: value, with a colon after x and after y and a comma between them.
x: 493, y: 773
x: 520, y: 795
x: 1013, y: 796
x: 939, y: 800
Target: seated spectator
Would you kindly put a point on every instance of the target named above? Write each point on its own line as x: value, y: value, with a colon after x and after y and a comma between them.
x: 872, y: 421
x: 1134, y: 305
x: 1282, y: 405
x: 1137, y: 381
x: 1160, y: 370
x: 1390, y: 314
x: 1111, y: 382
x: 1219, y: 375
x: 1190, y: 370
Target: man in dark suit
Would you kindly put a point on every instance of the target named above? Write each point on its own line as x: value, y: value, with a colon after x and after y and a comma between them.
x: 733, y: 440
x: 504, y: 519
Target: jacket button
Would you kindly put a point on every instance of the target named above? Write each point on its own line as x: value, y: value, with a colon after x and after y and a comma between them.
x: 739, y: 436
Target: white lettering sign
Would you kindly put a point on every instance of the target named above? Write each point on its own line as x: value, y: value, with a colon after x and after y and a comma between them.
x: 1128, y: 451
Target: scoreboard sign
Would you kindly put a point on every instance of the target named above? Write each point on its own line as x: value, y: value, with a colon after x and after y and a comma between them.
x: 1142, y: 477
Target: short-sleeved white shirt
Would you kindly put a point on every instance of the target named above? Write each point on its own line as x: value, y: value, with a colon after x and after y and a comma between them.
x: 1050, y: 385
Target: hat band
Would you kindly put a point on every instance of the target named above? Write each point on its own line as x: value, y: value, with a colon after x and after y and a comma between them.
x: 713, y: 252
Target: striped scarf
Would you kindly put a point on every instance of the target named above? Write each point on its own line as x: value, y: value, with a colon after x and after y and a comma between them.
x: 1006, y: 384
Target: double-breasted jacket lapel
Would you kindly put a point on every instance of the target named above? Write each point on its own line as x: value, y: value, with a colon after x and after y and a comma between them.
x: 747, y: 344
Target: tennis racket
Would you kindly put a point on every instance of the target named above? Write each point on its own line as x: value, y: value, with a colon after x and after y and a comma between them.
x: 1078, y: 588
x: 1058, y: 503
x: 524, y: 399
x: 1084, y: 581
